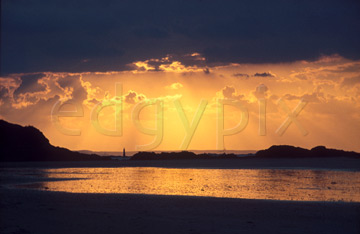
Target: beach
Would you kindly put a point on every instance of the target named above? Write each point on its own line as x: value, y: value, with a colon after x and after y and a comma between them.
x: 27, y: 211
x: 34, y: 211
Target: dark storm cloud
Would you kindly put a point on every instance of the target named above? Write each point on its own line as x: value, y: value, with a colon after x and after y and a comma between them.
x: 241, y: 75
x: 73, y: 81
x: 75, y: 36
x: 264, y: 74
x: 29, y: 83
x: 4, y: 93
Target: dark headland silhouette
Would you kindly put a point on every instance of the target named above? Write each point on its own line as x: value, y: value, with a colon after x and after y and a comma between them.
x: 18, y: 143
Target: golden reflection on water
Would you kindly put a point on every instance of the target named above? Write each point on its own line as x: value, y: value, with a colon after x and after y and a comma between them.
x: 301, y: 185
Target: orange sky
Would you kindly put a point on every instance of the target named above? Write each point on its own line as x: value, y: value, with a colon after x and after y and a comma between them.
x: 330, y: 86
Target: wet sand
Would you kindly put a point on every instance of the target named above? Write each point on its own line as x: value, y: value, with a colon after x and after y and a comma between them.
x: 30, y: 211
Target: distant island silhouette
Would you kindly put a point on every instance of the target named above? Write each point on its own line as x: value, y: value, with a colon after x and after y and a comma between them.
x: 18, y: 143
x: 275, y: 151
x: 179, y: 155
x: 287, y: 151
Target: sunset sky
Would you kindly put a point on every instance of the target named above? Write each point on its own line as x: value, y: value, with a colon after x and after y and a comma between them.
x: 183, y: 54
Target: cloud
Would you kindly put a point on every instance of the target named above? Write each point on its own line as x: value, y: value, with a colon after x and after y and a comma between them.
x: 31, y: 83
x: 261, y: 91
x: 133, y: 97
x: 317, y: 96
x: 329, y: 72
x: 351, y: 81
x: 4, y: 95
x: 264, y: 74
x: 7, y: 87
x: 31, y: 89
x: 20, y: 91
x: 349, y: 68
x: 206, y: 70
x: 4, y: 92
x: 241, y: 75
x: 257, y: 74
x: 73, y: 87
x: 172, y: 63
x: 300, y: 76
x: 229, y: 92
x: 102, y: 36
x: 174, y: 86
x: 331, y: 88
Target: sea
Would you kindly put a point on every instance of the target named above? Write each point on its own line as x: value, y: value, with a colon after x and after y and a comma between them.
x: 268, y: 184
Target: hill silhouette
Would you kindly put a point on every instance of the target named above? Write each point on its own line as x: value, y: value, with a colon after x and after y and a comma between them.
x: 287, y: 151
x: 276, y: 151
x: 178, y: 156
x: 18, y: 143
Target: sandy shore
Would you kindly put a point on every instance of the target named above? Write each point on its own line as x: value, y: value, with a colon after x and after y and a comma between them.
x: 29, y: 211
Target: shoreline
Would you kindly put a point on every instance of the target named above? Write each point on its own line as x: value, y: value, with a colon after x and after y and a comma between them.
x: 35, y: 178
x: 341, y: 163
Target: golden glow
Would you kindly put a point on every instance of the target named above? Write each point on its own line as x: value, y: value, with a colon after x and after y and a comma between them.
x: 330, y: 85
x: 301, y: 185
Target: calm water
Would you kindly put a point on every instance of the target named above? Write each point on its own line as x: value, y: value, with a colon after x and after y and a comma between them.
x: 302, y: 185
